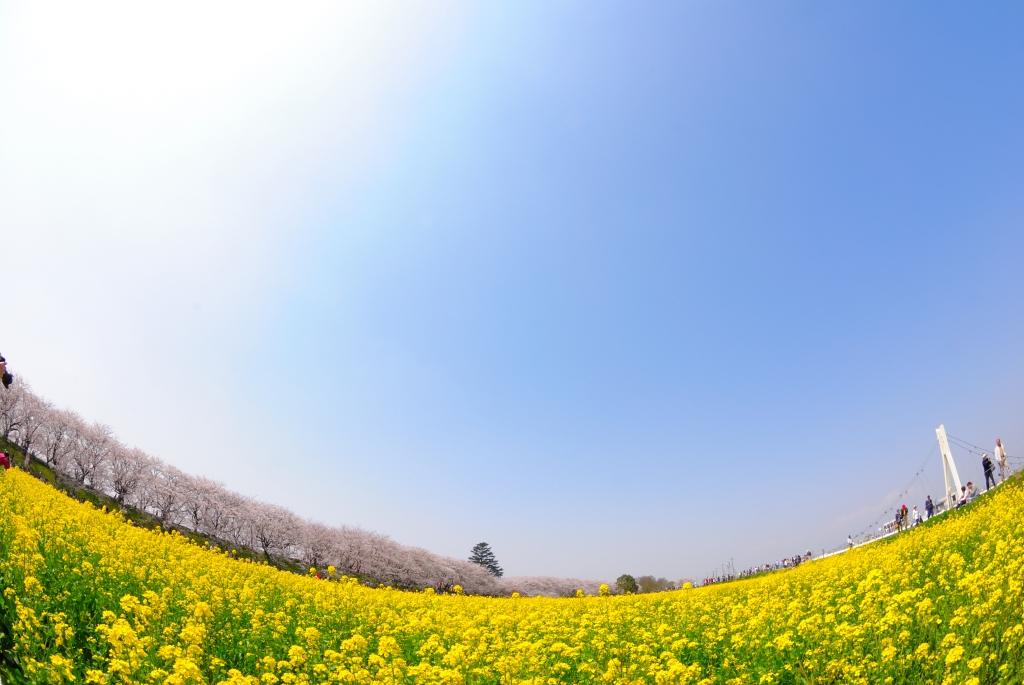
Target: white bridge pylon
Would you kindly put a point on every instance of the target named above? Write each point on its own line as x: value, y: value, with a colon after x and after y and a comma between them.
x: 948, y: 469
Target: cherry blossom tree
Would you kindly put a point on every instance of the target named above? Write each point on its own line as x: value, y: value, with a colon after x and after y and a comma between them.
x: 193, y: 505
x: 33, y: 412
x: 126, y: 470
x: 164, y: 496
x: 273, y: 529
x: 547, y: 586
x: 90, y: 456
x: 58, y: 435
x: 316, y: 544
x: 220, y: 513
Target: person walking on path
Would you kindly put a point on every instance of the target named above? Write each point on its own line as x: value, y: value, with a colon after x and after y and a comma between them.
x: 849, y: 541
x: 4, y: 461
x: 929, y: 508
x: 986, y: 464
x: 1000, y: 454
x: 917, y: 516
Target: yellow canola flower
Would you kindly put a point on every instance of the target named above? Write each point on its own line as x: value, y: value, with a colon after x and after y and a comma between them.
x: 90, y: 599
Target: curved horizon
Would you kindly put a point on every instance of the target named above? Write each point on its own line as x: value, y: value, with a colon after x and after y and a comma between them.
x: 617, y: 289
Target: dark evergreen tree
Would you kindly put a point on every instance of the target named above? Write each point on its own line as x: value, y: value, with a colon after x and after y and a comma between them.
x: 483, y: 555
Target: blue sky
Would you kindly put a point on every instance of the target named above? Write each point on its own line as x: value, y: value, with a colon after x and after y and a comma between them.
x: 615, y: 288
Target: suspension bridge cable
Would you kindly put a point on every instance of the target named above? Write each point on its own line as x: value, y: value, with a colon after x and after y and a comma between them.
x: 905, y: 491
x: 964, y: 442
x: 977, y: 450
x: 928, y: 483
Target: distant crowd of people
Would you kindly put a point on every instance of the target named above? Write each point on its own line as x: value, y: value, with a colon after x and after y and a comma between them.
x: 789, y: 562
x: 904, y: 519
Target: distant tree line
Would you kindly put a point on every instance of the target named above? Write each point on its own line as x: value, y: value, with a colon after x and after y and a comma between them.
x: 627, y: 583
x: 91, y: 456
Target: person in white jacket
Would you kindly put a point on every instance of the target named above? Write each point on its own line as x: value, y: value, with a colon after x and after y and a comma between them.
x: 1000, y: 454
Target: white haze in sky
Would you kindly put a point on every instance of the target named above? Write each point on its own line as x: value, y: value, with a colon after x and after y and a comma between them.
x: 152, y: 157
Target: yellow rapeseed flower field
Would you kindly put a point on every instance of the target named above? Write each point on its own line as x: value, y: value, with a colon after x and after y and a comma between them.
x: 91, y: 599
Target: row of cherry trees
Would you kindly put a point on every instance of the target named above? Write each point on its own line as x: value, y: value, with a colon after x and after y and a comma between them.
x: 91, y: 455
